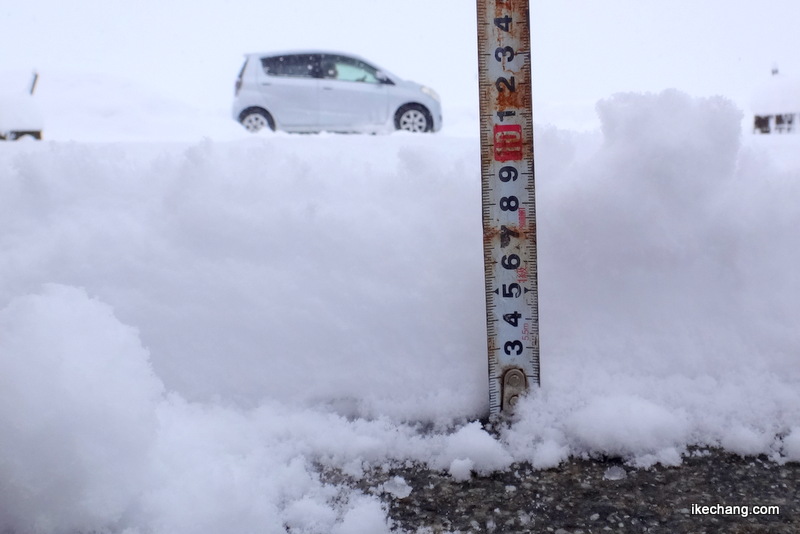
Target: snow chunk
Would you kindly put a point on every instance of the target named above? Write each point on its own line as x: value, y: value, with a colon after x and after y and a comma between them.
x: 461, y: 469
x: 77, y: 400
x: 548, y: 454
x: 746, y: 441
x: 791, y: 445
x: 309, y: 515
x: 615, y: 473
x: 366, y: 515
x: 398, y: 487
x: 473, y: 445
x: 626, y: 425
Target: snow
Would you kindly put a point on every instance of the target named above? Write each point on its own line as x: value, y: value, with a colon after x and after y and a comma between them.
x: 398, y: 487
x: 193, y: 320
x: 779, y: 94
x: 615, y: 473
x: 19, y: 113
x: 18, y: 109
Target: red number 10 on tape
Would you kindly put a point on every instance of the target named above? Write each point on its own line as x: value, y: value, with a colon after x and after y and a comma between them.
x: 507, y: 142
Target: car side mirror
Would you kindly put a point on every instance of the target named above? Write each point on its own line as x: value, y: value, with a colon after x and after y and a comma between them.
x: 383, y: 78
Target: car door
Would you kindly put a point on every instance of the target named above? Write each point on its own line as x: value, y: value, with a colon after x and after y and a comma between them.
x: 289, y: 85
x: 351, y: 95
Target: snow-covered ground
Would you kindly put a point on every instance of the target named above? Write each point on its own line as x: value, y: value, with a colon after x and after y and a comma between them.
x: 192, y: 319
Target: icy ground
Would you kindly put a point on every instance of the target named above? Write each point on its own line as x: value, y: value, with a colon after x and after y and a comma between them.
x: 192, y: 319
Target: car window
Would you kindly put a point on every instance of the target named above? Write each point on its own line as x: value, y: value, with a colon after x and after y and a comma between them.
x: 348, y: 69
x: 295, y: 66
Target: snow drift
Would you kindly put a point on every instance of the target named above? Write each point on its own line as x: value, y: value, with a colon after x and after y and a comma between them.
x: 189, y: 330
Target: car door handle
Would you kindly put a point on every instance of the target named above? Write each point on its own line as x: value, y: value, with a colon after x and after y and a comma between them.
x: 328, y: 88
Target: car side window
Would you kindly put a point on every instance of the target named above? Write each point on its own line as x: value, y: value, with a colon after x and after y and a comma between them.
x: 348, y: 69
x: 293, y: 66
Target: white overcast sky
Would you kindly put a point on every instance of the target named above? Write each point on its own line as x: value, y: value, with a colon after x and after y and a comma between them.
x: 583, y: 50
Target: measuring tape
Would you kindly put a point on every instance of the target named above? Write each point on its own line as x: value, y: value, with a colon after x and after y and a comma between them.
x: 509, y: 201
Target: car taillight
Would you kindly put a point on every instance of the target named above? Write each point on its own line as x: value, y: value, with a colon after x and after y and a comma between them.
x: 238, y: 87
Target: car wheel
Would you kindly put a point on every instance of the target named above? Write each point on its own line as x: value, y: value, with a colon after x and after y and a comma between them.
x: 255, y: 120
x: 413, y: 118
x: 16, y: 136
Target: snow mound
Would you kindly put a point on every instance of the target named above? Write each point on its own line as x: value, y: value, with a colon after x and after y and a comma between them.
x: 778, y: 94
x: 190, y: 331
x: 77, y: 405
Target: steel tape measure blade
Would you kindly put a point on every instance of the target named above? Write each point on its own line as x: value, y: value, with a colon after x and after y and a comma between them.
x: 509, y: 200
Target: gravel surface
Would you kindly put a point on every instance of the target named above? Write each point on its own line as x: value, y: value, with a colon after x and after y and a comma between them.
x: 595, y: 496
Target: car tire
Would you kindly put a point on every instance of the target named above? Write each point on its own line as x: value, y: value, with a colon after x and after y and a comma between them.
x: 256, y: 119
x: 16, y: 136
x: 413, y: 118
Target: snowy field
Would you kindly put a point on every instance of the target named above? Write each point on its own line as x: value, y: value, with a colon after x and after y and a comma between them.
x: 194, y: 319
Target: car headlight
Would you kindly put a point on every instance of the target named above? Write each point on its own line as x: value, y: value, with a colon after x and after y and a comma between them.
x: 430, y: 92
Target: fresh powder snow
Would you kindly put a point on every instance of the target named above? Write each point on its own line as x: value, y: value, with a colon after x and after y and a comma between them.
x: 194, y: 320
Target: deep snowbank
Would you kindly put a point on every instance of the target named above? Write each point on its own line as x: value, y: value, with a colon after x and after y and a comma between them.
x: 187, y: 328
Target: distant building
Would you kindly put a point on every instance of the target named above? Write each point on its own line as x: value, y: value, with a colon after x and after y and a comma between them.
x: 776, y: 105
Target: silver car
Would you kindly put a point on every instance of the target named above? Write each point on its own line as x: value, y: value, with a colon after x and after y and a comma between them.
x: 312, y: 91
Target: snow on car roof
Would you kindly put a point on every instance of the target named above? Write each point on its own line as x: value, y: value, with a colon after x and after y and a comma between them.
x: 303, y: 52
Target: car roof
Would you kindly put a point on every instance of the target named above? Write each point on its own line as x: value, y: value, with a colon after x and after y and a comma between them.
x: 274, y: 53
x: 302, y: 53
